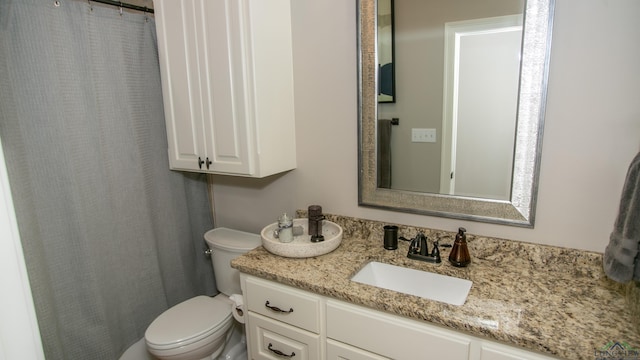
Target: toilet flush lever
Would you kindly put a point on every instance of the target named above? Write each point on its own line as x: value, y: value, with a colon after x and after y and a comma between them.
x: 208, y: 252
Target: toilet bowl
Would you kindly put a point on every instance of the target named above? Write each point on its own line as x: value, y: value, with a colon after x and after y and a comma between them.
x: 202, y: 327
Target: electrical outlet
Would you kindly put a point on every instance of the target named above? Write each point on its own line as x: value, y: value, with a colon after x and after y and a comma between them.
x: 423, y: 135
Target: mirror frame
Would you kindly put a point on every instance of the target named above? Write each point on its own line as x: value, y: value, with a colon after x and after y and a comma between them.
x: 520, y: 209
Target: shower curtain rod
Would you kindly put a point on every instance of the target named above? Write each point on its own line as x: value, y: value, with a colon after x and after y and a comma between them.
x: 124, y: 5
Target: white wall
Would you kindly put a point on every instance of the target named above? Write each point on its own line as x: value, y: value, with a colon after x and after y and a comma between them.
x: 592, y: 128
x: 19, y: 334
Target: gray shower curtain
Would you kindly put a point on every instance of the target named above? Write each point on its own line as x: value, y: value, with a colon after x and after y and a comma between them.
x: 111, y: 236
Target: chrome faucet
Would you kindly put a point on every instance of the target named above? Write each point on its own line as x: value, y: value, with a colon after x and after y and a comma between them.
x: 418, y: 250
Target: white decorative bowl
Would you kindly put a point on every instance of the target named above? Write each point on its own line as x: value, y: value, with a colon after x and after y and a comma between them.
x: 301, y: 246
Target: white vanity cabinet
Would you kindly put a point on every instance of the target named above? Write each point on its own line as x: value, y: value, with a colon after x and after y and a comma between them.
x: 227, y: 83
x: 317, y: 327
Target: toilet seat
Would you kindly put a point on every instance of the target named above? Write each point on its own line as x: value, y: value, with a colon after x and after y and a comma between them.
x: 191, y: 322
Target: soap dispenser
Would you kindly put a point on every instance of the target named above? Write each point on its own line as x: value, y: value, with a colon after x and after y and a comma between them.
x: 459, y: 255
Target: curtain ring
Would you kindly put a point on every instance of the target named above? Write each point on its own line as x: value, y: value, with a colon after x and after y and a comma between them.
x: 120, y: 8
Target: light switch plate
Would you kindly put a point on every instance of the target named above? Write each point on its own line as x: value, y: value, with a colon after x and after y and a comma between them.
x: 423, y: 135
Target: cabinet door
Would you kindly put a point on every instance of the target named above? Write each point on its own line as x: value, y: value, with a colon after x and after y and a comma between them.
x: 180, y: 68
x: 392, y: 336
x: 225, y: 44
x: 248, y: 78
x: 495, y: 351
x: 273, y: 340
x: 339, y: 351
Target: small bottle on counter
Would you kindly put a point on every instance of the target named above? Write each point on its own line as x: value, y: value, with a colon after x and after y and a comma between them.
x: 315, y: 223
x: 284, y: 232
x: 459, y: 255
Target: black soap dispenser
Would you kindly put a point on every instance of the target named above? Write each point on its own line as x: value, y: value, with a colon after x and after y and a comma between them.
x: 459, y: 255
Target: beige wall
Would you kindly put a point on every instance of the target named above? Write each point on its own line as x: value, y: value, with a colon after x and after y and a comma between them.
x: 592, y: 128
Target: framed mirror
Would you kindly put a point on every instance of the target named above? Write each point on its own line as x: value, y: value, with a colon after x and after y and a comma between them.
x: 529, y: 27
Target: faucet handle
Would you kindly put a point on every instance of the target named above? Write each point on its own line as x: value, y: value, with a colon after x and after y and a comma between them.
x: 414, y: 246
x: 435, y: 252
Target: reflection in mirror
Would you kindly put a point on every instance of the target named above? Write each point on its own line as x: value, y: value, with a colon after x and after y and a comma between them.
x: 386, y: 73
x: 461, y: 83
x: 457, y: 68
x: 481, y: 69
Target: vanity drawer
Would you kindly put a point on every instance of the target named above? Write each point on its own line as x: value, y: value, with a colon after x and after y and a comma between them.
x: 495, y: 351
x: 274, y: 340
x: 391, y: 336
x: 283, y: 303
x: 339, y: 351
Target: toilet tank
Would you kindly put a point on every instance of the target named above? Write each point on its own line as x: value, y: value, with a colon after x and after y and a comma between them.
x: 226, y: 245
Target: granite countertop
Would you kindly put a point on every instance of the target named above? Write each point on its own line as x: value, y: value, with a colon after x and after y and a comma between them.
x: 552, y: 300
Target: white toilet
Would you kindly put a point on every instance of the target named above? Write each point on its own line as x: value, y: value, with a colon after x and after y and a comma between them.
x: 202, y: 327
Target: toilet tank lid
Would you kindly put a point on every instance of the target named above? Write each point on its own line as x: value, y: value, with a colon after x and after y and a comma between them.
x: 233, y: 240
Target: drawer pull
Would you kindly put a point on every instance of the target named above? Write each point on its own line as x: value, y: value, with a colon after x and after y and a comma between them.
x: 280, y: 353
x: 277, y: 309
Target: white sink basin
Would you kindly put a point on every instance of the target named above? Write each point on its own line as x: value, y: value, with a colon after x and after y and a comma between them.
x: 424, y: 284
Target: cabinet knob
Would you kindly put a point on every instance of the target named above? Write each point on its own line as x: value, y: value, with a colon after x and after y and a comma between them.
x: 200, y: 162
x: 208, y: 162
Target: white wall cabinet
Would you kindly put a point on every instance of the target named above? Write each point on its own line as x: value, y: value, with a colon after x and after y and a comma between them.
x: 227, y: 83
x: 316, y: 327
